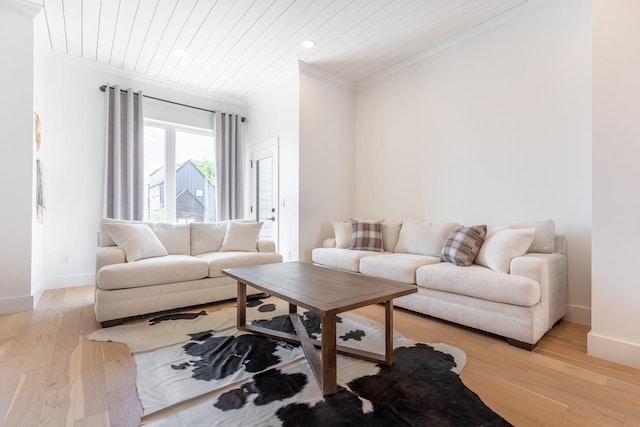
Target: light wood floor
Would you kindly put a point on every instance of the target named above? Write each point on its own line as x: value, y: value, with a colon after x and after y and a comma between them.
x: 51, y: 374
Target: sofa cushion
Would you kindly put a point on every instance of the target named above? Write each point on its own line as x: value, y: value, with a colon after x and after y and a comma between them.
x: 343, y: 259
x: 366, y: 235
x: 398, y: 267
x: 463, y: 245
x: 423, y: 238
x: 342, y: 233
x: 543, y: 236
x: 502, y: 245
x: 207, y: 236
x: 218, y: 261
x: 241, y: 236
x: 480, y: 282
x: 137, y: 241
x: 174, y: 237
x: 152, y: 271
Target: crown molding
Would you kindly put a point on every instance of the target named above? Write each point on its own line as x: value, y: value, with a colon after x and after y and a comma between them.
x: 93, y: 65
x: 317, y: 73
x: 24, y: 7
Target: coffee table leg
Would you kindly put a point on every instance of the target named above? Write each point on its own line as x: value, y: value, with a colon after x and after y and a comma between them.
x: 388, y: 332
x: 329, y: 347
x: 293, y: 309
x: 242, y: 305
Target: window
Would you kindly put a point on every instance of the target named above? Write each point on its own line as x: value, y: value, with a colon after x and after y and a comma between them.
x: 184, y: 192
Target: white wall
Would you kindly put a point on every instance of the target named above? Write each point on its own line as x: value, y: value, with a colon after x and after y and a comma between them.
x: 327, y: 180
x: 40, y: 47
x: 73, y: 130
x: 312, y: 114
x: 615, y: 333
x: 274, y: 113
x: 16, y: 173
x: 495, y: 129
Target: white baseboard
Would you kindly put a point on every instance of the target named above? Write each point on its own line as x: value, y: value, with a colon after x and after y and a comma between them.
x: 16, y: 304
x: 578, y: 314
x: 71, y: 281
x: 36, y: 297
x: 614, y: 350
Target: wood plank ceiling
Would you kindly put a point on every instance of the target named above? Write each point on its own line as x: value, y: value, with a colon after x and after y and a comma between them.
x: 234, y: 47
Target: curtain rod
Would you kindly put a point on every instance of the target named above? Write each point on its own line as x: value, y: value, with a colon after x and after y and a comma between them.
x: 103, y: 88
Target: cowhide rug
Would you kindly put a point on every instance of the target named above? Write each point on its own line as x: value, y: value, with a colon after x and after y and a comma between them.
x: 196, y: 369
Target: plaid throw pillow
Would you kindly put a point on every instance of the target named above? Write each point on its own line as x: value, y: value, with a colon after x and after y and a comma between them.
x: 366, y: 236
x: 463, y: 245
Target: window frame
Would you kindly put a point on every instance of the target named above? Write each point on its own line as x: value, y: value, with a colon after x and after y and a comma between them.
x: 170, y: 130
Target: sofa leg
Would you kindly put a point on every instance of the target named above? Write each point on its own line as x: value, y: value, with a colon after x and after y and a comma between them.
x: 521, y: 344
x: 110, y: 323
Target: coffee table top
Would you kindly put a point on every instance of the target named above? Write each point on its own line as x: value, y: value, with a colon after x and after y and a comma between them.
x: 319, y: 289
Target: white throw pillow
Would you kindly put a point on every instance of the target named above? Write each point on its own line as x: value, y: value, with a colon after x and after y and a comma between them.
x: 543, y: 237
x: 137, y: 241
x: 207, y: 236
x: 242, y: 237
x: 105, y: 238
x: 501, y: 245
x: 342, y: 232
x: 423, y: 238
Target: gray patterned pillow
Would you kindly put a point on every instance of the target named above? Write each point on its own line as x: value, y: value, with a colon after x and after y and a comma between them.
x: 463, y: 245
x: 366, y: 235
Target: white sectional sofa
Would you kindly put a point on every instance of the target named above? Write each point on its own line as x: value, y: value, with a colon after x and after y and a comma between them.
x: 144, y: 268
x: 516, y: 288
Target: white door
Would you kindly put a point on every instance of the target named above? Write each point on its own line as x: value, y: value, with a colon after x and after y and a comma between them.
x: 264, y: 172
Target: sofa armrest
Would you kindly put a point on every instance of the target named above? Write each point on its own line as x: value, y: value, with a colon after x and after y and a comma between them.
x: 265, y: 245
x: 107, y: 255
x: 560, y: 244
x: 550, y: 271
x: 329, y: 243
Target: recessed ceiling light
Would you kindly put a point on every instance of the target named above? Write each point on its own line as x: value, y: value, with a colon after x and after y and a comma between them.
x: 308, y: 44
x: 179, y: 52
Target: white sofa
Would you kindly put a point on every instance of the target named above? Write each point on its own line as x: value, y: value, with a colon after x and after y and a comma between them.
x: 521, y: 302
x: 144, y: 268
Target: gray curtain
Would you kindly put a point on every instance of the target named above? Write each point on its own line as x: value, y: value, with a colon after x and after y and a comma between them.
x: 229, y: 134
x: 124, y: 155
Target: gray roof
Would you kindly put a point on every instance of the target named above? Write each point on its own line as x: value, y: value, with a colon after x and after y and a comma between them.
x: 157, y: 176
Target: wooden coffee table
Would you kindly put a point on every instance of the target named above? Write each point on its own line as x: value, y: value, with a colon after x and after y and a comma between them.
x: 326, y: 292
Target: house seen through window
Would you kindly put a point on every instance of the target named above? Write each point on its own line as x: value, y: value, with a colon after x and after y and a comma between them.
x: 185, y: 191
